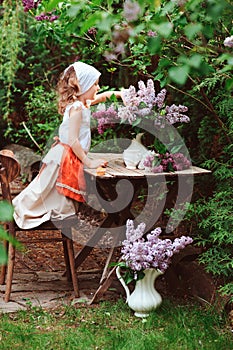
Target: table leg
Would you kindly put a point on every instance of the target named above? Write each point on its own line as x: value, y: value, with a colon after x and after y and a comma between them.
x: 91, y: 243
x: 113, y: 202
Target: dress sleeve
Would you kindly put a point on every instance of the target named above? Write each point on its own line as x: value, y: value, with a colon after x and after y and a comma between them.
x: 77, y: 105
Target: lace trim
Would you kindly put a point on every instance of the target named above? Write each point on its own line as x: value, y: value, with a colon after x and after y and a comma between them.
x: 59, y: 184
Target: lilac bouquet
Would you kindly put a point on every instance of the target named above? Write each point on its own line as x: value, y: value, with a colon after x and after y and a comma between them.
x: 140, y: 106
x: 105, y: 117
x: 158, y: 163
x: 139, y: 253
x: 144, y: 103
x: 146, y: 109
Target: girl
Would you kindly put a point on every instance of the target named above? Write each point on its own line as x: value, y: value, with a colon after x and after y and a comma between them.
x: 61, y: 180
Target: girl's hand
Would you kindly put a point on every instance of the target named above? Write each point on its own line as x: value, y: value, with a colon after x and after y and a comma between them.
x: 56, y: 141
x: 95, y: 163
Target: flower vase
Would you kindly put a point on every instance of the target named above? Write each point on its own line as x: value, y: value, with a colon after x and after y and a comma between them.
x: 145, y: 297
x: 133, y: 155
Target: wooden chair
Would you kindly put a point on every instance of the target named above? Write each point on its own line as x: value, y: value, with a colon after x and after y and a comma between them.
x: 10, y: 170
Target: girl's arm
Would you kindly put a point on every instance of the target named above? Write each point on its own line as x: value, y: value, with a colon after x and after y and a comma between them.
x: 102, y: 97
x: 75, y: 120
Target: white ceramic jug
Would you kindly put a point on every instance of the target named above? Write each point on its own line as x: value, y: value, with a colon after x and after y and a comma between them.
x: 145, y: 297
x: 134, y: 154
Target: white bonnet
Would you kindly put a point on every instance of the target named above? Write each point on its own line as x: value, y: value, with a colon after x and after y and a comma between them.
x: 86, y: 75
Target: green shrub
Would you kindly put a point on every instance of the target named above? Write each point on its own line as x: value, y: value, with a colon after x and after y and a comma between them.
x: 42, y: 119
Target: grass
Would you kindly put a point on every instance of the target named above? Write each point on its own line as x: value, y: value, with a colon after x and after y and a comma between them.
x: 112, y: 326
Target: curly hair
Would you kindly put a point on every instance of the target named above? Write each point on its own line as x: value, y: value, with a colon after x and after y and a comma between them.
x: 68, y: 89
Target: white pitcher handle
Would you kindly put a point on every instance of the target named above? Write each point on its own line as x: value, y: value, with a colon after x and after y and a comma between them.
x: 121, y: 279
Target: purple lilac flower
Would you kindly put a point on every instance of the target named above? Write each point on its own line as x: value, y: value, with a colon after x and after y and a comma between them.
x: 134, y: 234
x: 131, y: 10
x: 53, y: 18
x: 180, y: 161
x: 110, y: 56
x: 120, y: 48
x: 160, y: 98
x: 166, y: 162
x: 174, y: 114
x: 160, y: 121
x: 157, y: 169
x: 105, y: 117
x: 33, y: 4
x: 130, y: 96
x: 143, y: 112
x: 46, y: 17
x: 92, y: 31
x: 30, y: 4
x: 144, y: 104
x: 127, y: 113
x: 148, y: 160
x: 146, y: 94
x: 228, y: 41
x: 151, y: 33
x: 154, y: 234
x: 140, y: 254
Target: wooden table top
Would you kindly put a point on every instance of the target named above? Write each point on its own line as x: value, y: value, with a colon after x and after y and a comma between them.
x: 117, y: 169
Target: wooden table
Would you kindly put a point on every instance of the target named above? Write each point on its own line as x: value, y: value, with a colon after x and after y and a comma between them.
x: 116, y: 192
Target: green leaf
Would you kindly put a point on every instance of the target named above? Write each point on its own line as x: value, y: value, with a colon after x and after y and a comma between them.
x: 229, y: 84
x: 164, y: 62
x: 208, y: 31
x: 164, y: 29
x: 128, y: 276
x: 225, y: 57
x: 195, y: 61
x: 192, y: 61
x: 176, y: 148
x: 179, y: 74
x: 3, y: 255
x: 206, y: 68
x: 192, y: 29
x: 74, y: 10
x: 140, y: 275
x: 51, y: 5
x: 119, y: 263
x: 91, y: 21
x: 154, y: 45
x: 137, y: 122
x: 6, y: 211
x: 6, y: 237
x: 226, y: 68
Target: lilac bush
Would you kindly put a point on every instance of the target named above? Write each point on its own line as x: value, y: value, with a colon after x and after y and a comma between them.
x: 29, y: 5
x: 49, y: 16
x: 139, y: 253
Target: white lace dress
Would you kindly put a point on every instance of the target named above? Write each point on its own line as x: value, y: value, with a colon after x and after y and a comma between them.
x: 40, y: 200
